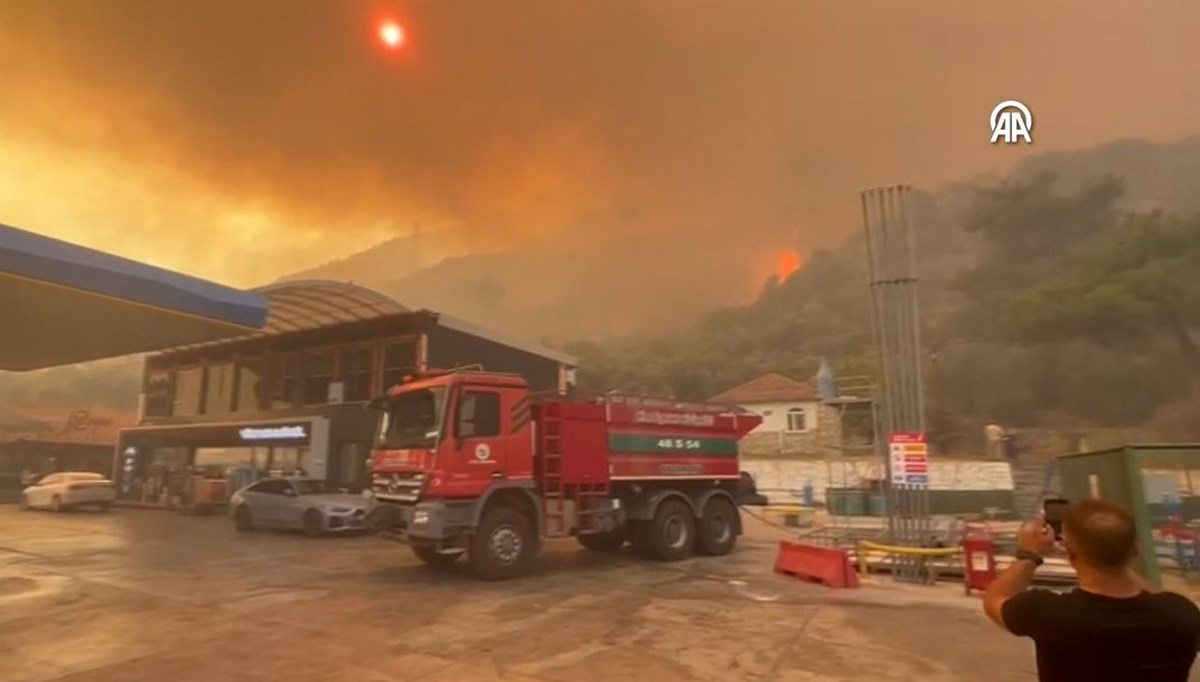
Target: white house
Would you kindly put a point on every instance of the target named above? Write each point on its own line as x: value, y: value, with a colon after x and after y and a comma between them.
x: 787, y: 406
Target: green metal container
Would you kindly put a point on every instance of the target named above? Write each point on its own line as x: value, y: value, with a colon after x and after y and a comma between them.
x: 877, y: 504
x: 846, y: 501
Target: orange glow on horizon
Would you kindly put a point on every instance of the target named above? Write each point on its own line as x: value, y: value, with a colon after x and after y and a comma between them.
x: 789, y: 262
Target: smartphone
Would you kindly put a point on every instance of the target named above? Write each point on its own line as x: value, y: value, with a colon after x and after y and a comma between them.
x: 1055, y: 511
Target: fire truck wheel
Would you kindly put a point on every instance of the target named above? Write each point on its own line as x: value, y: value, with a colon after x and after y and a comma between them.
x: 430, y: 556
x: 717, y: 533
x: 603, y: 542
x: 504, y: 545
x: 672, y: 532
x: 242, y: 519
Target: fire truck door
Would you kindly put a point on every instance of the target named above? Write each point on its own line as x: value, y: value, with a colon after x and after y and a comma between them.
x: 479, y: 437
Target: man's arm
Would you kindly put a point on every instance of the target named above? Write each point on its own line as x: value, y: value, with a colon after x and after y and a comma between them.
x: 1035, y: 540
x: 1013, y: 581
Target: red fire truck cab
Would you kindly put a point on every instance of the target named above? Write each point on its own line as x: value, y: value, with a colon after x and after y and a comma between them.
x: 469, y: 463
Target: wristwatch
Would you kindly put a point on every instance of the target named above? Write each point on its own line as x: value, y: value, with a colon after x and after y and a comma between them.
x: 1026, y: 555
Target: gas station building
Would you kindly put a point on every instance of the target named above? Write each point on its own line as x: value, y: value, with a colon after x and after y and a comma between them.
x: 292, y: 397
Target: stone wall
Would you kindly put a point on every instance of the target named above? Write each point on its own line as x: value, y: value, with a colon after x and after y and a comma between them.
x: 784, y: 479
x: 823, y: 441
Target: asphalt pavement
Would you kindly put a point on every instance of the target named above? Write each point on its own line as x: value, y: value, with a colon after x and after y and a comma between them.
x: 140, y: 595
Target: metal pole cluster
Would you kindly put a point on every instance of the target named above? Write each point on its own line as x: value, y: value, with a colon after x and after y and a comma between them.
x: 892, y: 276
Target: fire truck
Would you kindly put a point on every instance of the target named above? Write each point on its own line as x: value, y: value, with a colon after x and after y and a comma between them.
x: 470, y: 463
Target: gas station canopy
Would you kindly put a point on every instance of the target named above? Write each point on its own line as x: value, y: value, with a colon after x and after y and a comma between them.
x: 61, y: 303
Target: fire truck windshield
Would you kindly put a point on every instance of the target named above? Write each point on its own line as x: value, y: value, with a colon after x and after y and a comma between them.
x: 413, y: 419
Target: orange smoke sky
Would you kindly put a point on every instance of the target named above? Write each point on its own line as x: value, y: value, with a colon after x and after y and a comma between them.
x: 246, y: 140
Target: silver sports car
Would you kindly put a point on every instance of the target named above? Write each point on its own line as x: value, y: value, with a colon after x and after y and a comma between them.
x: 307, y: 504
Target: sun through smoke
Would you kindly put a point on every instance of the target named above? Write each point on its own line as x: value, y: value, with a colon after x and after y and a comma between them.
x: 391, y: 34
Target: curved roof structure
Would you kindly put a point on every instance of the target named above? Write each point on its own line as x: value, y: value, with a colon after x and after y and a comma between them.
x: 308, y: 304
x: 303, y: 305
x: 61, y: 303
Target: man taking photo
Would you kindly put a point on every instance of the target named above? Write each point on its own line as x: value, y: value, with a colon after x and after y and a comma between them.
x: 1114, y: 626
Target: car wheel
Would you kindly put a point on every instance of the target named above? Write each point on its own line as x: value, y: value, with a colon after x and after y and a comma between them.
x: 56, y: 504
x: 313, y: 524
x: 242, y: 519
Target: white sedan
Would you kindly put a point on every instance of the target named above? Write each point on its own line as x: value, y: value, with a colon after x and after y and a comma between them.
x: 67, y: 490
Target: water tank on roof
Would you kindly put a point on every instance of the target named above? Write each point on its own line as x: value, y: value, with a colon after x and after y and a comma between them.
x: 826, y: 382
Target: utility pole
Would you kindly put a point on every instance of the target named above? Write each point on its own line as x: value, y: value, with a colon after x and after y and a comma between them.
x: 895, y: 316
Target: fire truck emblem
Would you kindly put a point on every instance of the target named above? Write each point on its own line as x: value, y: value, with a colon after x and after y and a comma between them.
x: 482, y: 452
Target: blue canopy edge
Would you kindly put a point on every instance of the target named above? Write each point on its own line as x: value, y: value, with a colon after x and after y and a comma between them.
x: 33, y: 256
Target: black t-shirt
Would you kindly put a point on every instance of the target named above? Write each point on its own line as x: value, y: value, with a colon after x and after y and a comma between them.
x: 1085, y: 636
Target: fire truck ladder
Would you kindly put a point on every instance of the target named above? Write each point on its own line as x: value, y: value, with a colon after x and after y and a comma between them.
x: 549, y: 458
x: 557, y: 496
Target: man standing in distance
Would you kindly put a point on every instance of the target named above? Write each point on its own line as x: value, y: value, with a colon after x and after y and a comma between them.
x: 994, y: 433
x: 1114, y: 626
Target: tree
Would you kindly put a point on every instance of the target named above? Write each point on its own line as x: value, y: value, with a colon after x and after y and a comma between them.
x: 1029, y: 228
x: 1139, y: 283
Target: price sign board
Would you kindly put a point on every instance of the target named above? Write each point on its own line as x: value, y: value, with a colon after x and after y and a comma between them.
x: 909, y: 459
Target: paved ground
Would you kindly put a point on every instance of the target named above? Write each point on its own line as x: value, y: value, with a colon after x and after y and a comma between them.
x: 143, y: 595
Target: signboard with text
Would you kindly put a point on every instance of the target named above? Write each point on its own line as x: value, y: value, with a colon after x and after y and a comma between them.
x: 908, y: 459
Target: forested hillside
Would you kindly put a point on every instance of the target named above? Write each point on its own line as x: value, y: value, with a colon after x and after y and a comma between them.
x: 1046, y: 300
x: 1065, y: 293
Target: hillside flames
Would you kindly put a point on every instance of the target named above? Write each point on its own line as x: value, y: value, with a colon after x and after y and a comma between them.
x: 789, y: 262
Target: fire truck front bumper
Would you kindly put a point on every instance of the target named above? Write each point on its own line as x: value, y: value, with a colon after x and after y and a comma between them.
x: 423, y: 521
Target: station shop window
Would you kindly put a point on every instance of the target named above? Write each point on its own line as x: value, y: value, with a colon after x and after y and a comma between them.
x: 189, y: 392
x: 159, y: 392
x: 316, y: 373
x: 249, y: 388
x: 399, y: 360
x: 304, y: 380
x: 219, y: 389
x: 224, y: 458
x: 356, y: 373
x: 285, y: 460
x: 287, y: 387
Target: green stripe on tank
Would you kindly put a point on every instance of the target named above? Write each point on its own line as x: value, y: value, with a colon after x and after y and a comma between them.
x: 628, y: 443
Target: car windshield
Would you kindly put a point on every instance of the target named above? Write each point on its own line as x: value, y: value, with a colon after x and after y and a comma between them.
x: 413, y: 419
x: 312, y: 486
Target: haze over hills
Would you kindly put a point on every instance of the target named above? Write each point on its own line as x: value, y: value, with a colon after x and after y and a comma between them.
x: 637, y: 330
x: 568, y: 289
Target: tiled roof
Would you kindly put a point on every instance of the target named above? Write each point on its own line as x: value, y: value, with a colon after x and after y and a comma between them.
x: 768, y: 388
